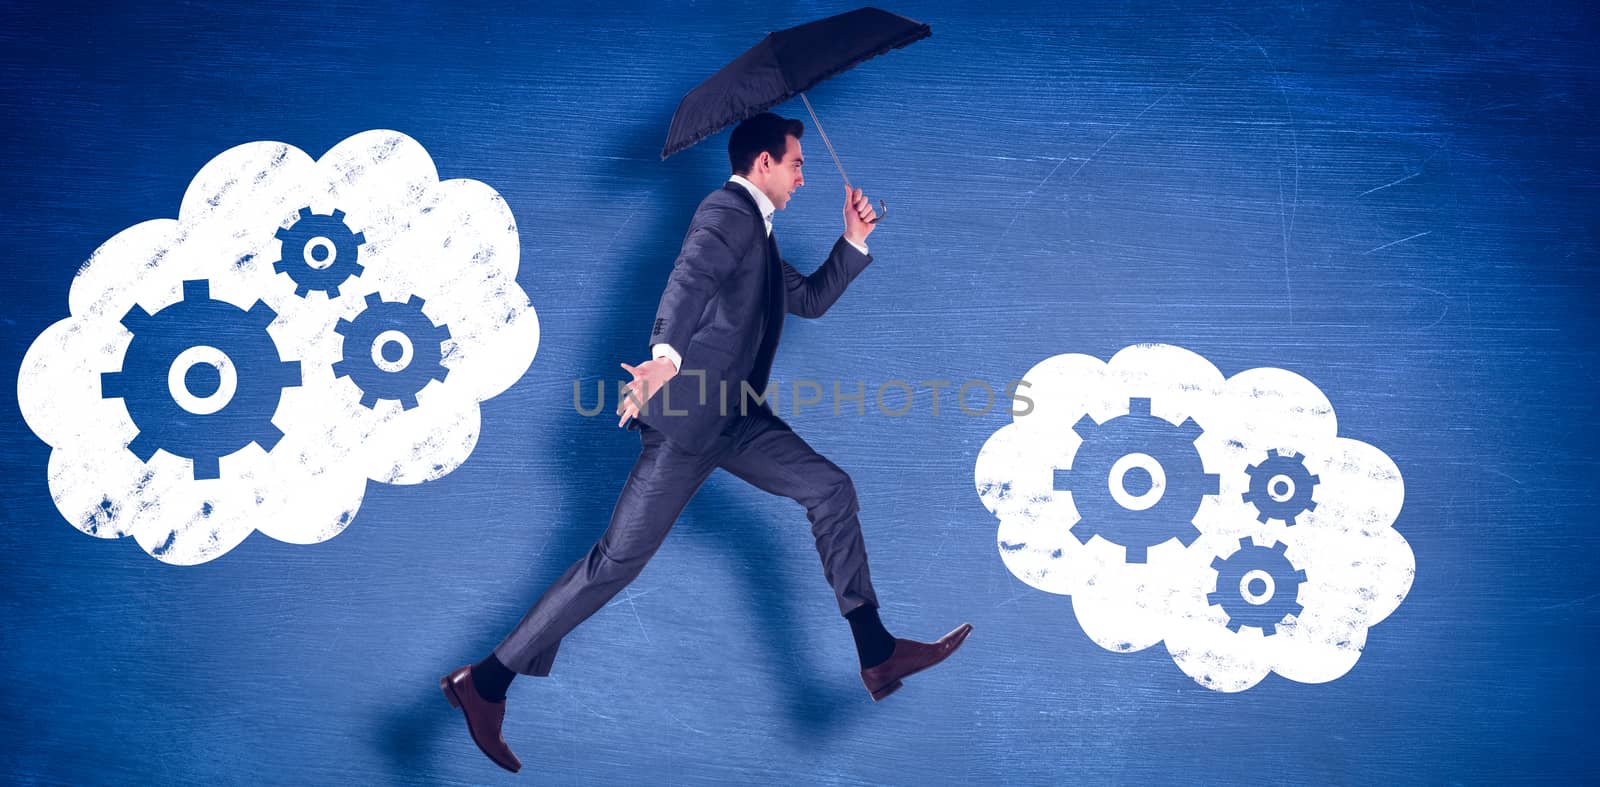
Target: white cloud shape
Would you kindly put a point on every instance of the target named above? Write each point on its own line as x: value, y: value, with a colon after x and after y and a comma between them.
x: 452, y: 244
x: 1357, y: 568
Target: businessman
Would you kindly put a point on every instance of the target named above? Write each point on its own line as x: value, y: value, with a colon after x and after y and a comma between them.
x: 712, y: 344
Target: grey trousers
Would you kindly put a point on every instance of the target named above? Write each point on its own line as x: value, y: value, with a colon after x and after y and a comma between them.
x: 758, y: 448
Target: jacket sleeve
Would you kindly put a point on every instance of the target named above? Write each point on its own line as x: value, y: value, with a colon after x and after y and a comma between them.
x: 810, y: 296
x: 707, y: 258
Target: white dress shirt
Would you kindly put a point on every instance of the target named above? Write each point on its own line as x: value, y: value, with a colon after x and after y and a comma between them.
x: 764, y: 204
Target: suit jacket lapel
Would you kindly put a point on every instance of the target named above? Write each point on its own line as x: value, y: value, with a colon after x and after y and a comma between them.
x: 776, y: 296
x: 777, y: 291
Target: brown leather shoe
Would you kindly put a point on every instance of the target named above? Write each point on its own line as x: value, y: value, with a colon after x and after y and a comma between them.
x: 909, y: 658
x: 483, y: 717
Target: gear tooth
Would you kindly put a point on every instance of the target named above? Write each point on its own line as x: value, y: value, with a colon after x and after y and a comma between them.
x: 340, y: 370
x: 1084, y: 423
x: 369, y: 400
x: 1217, y: 563
x: 1063, y: 480
x: 1282, y: 547
x: 1296, y: 610
x: 136, y: 320
x: 1081, y: 532
x: 1314, y: 479
x: 1311, y: 505
x: 1211, y: 484
x: 1190, y: 428
x: 281, y: 266
x: 416, y: 302
x: 305, y: 212
x: 1214, y: 598
x: 206, y: 467
x: 1272, y: 453
x: 1288, y: 520
x: 408, y: 401
x: 143, y: 446
x: 196, y: 290
x: 356, y: 269
x: 262, y: 314
x: 1137, y: 553
x: 1139, y: 405
x: 441, y: 373
x: 283, y: 233
x: 1249, y: 496
x: 374, y: 299
x: 441, y: 334
x: 359, y: 238
x: 342, y: 325
x: 269, y: 437
x: 291, y: 370
x: 1234, y: 625
x: 302, y: 291
x: 1254, y: 470
x: 111, y: 385
x: 1263, y: 516
x: 1297, y: 456
x: 338, y: 214
x: 1188, y: 536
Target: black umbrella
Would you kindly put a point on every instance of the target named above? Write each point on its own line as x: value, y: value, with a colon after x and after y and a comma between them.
x: 786, y: 64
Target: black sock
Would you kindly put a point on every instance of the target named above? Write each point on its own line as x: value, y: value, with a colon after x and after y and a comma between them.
x: 874, y: 644
x: 491, y: 678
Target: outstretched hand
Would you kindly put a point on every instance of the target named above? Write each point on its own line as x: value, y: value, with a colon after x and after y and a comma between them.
x: 648, y: 377
x: 859, y: 215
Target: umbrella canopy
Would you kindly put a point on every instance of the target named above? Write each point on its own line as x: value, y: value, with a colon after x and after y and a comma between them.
x: 784, y: 64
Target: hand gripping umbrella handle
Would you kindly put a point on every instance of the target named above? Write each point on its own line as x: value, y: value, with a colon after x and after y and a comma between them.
x: 883, y: 207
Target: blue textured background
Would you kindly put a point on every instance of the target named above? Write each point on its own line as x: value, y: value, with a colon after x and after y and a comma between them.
x: 1395, y: 200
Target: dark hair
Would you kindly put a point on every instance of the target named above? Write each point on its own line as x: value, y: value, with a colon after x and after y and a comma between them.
x: 765, y: 131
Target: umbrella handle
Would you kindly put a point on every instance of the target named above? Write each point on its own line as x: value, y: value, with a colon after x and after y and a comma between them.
x: 883, y: 207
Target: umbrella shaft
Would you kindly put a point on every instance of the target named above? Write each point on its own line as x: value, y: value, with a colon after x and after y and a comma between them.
x: 825, y: 141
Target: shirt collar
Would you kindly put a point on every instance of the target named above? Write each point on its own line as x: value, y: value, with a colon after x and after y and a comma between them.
x: 763, y: 203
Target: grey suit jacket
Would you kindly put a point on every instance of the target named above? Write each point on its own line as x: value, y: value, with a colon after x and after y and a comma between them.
x: 723, y: 311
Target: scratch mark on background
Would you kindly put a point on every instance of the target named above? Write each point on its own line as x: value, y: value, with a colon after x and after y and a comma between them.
x: 628, y: 596
x: 681, y: 722
x: 1402, y: 240
x: 1420, y: 167
x: 1573, y: 603
x: 1286, y: 217
x: 1387, y: 185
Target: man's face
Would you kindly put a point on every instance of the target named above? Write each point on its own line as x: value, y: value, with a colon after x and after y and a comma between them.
x: 783, y: 177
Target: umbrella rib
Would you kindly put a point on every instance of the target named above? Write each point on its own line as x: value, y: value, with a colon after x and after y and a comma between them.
x: 824, y: 134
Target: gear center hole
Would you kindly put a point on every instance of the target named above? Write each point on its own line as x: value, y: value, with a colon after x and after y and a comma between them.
x: 202, y: 380
x: 1280, y: 488
x: 320, y: 253
x: 392, y: 351
x: 1257, y: 587
x: 1137, y: 481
